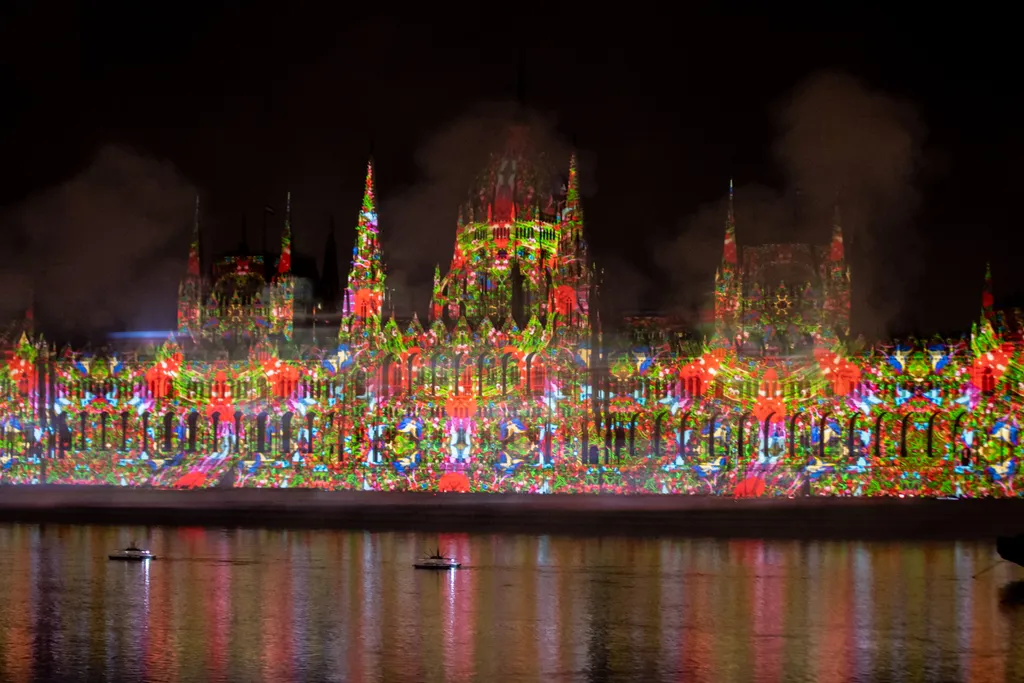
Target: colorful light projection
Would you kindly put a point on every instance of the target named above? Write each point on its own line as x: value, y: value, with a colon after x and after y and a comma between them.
x: 511, y: 387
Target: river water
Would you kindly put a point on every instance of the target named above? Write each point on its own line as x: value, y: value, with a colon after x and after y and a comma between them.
x: 262, y: 605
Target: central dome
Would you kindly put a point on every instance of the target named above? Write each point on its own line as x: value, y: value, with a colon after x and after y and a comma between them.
x: 516, y: 181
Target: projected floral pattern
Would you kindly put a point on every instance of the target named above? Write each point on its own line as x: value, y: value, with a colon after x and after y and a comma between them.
x: 510, y: 388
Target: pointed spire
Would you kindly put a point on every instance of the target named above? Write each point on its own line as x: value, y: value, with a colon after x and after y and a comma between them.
x: 729, y: 248
x: 435, y: 295
x: 366, y: 276
x: 193, y: 248
x: 574, y: 211
x: 732, y: 209
x: 284, y: 264
x: 988, y: 299
x: 837, y: 251
x: 369, y: 208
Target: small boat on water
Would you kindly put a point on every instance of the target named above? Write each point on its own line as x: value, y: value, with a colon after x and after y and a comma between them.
x: 1011, y: 548
x: 132, y: 554
x: 437, y: 561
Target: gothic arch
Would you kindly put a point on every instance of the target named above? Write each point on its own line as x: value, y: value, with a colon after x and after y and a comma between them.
x: 145, y: 432
x: 168, y: 430
x: 66, y: 437
x: 904, y: 423
x: 214, y: 424
x: 585, y: 440
x: 529, y: 371
x: 767, y: 431
x: 821, y: 434
x: 506, y: 356
x: 193, y: 424
x: 341, y: 436
x: 124, y: 431
x: 286, y: 432
x: 311, y: 418
x: 741, y: 431
x: 456, y: 372
x: 410, y: 362
x: 797, y: 417
x: 954, y: 435
x: 261, y: 432
x: 238, y: 431
x: 434, y: 357
x: 877, y: 445
x: 632, y: 434
x: 462, y: 373
x: 931, y: 434
x: 657, y: 434
x: 481, y: 359
x: 683, y: 420
x: 712, y: 421
x: 851, y: 431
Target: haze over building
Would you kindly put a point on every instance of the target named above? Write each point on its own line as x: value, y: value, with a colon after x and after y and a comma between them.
x: 514, y: 370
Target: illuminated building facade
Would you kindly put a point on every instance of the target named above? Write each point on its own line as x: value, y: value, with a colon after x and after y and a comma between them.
x: 511, y: 385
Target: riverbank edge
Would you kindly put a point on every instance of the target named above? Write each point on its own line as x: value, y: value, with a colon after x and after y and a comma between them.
x: 695, y: 516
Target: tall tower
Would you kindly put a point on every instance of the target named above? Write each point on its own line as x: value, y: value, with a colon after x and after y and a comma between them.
x: 988, y: 299
x: 436, y: 296
x: 282, y: 289
x: 837, y: 284
x: 570, y: 290
x: 190, y: 290
x: 727, y: 280
x: 364, y: 295
x: 999, y: 320
x: 513, y: 224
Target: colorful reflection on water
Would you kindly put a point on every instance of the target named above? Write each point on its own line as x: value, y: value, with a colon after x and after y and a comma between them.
x: 260, y: 605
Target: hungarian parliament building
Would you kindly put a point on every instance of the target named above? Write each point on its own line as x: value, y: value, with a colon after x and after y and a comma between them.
x: 511, y: 383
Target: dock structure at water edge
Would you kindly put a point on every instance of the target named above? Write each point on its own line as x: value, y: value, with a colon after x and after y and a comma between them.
x: 707, y: 516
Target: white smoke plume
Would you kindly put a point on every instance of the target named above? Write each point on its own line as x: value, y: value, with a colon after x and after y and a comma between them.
x: 106, y: 248
x: 838, y: 142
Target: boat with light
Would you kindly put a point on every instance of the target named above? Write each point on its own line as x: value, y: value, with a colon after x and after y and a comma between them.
x: 132, y: 554
x: 437, y: 561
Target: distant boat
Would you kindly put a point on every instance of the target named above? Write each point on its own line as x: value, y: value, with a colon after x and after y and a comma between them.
x: 1011, y: 548
x: 437, y: 561
x: 132, y: 554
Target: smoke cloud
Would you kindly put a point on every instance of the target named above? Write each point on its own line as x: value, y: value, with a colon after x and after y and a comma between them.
x: 104, y: 249
x: 837, y: 142
x: 840, y: 140
x: 418, y: 224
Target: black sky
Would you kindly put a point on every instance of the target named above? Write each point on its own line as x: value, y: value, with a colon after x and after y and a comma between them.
x: 243, y: 105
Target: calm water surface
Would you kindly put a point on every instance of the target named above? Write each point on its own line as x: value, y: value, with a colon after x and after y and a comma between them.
x: 251, y: 605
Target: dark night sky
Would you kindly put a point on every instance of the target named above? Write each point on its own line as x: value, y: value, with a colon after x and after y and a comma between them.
x: 114, y: 119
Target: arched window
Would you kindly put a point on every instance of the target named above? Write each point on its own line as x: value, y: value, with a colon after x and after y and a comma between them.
x: 286, y: 433
x: 261, y: 432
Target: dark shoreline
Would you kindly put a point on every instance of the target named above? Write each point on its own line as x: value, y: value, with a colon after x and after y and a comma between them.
x: 845, y: 518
